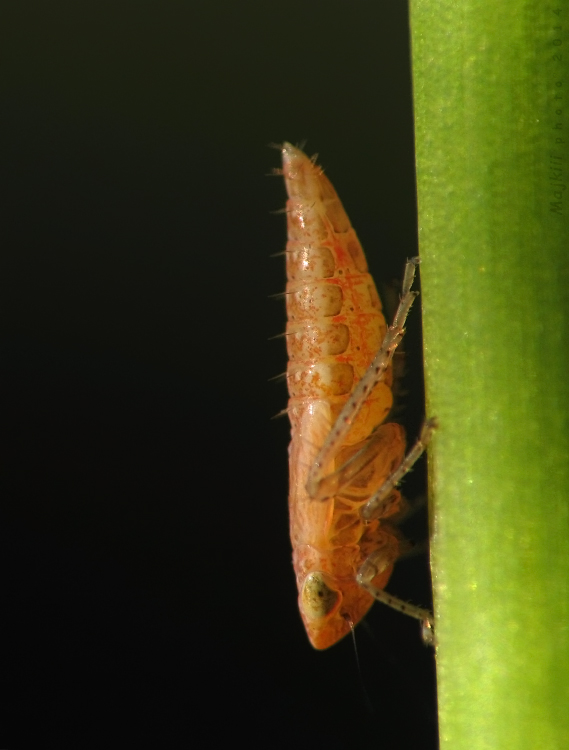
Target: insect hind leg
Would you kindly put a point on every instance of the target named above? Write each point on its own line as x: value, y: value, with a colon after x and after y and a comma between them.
x: 316, y: 482
x: 379, y: 452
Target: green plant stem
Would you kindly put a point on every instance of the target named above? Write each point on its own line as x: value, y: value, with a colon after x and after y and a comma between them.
x: 491, y: 87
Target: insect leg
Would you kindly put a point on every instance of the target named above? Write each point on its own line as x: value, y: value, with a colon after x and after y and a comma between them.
x: 375, y: 506
x: 316, y: 484
x: 375, y: 564
x: 379, y: 442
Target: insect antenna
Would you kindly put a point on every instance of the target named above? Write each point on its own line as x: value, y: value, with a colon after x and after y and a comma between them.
x: 367, y: 700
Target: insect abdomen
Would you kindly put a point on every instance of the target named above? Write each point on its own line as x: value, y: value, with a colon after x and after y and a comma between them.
x: 335, y: 323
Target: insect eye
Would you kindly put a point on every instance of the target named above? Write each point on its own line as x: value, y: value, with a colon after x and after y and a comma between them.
x: 318, y: 598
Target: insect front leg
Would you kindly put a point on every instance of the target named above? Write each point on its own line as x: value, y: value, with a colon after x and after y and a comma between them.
x: 383, y: 557
x: 378, y: 561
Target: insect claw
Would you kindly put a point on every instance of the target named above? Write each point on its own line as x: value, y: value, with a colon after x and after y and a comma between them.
x: 430, y: 425
x: 428, y: 633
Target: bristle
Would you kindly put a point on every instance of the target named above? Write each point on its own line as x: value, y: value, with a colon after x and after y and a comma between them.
x: 282, y: 413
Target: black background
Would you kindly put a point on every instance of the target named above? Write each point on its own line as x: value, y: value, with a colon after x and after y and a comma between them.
x: 149, y: 594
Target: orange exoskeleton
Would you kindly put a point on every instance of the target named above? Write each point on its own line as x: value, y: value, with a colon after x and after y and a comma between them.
x: 345, y: 462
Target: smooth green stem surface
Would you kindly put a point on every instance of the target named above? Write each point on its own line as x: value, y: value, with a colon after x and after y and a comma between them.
x: 491, y: 87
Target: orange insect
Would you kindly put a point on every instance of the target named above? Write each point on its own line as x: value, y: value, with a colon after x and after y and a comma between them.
x: 344, y: 462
